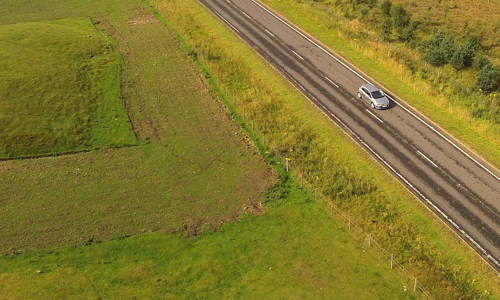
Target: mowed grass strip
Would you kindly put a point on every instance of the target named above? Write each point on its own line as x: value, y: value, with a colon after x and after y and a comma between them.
x: 193, y: 168
x: 60, y: 89
x: 293, y: 251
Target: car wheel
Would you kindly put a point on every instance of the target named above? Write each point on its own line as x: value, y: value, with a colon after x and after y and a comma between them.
x: 373, y: 105
x: 359, y: 95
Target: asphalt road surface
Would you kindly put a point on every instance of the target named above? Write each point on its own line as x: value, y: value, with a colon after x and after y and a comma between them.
x: 458, y: 186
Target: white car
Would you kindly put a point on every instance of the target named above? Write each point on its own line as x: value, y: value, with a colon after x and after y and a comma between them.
x: 373, y: 95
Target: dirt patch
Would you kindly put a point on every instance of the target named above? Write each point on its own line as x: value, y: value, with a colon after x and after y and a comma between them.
x: 256, y: 209
x: 142, y: 17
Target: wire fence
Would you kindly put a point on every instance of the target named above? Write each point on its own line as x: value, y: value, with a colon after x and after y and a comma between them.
x: 357, y: 231
x: 411, y: 283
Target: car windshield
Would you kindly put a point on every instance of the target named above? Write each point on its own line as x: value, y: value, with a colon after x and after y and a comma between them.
x: 377, y: 94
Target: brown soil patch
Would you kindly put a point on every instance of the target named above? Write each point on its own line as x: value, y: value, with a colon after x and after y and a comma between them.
x: 143, y: 18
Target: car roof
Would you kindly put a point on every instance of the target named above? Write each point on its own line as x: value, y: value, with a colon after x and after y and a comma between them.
x: 370, y: 87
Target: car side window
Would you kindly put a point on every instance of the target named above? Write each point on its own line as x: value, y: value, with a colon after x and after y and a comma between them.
x: 365, y: 91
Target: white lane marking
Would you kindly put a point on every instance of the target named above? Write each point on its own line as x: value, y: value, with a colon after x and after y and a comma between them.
x: 366, y: 80
x: 375, y: 116
x: 331, y: 81
x: 446, y: 139
x: 227, y: 22
x: 269, y: 32
x: 428, y: 159
x: 246, y: 15
x: 228, y: 1
x: 301, y: 87
x: 297, y: 55
x: 311, y: 41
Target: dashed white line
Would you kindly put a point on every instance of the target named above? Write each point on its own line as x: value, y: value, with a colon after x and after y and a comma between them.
x: 446, y: 139
x: 366, y: 80
x: 375, y: 116
x: 246, y: 15
x: 331, y: 81
x: 428, y: 159
x: 297, y: 55
x: 301, y: 87
x: 311, y: 41
x: 269, y: 32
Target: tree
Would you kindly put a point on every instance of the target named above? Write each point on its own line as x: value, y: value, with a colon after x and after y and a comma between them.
x: 457, y: 61
x: 448, y: 47
x: 478, y: 62
x: 488, y: 78
x: 439, y: 49
x: 471, y: 45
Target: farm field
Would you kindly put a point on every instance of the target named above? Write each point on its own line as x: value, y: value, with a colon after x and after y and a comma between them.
x: 119, y: 222
x: 97, y: 195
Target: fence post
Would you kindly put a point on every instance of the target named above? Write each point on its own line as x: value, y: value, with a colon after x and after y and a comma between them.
x: 415, y: 286
x: 316, y: 194
x: 349, y: 222
x: 301, y: 181
x: 286, y: 161
x: 369, y: 240
x: 392, y: 261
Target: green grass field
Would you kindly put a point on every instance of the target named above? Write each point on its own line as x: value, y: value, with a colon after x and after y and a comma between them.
x: 293, y: 251
x: 60, y: 89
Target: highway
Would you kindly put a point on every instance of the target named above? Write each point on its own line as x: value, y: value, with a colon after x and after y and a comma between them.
x: 460, y: 187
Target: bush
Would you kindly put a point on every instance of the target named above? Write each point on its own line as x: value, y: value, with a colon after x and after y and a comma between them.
x: 400, y: 16
x: 439, y: 50
x: 386, y: 29
x: 407, y: 34
x: 385, y: 7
